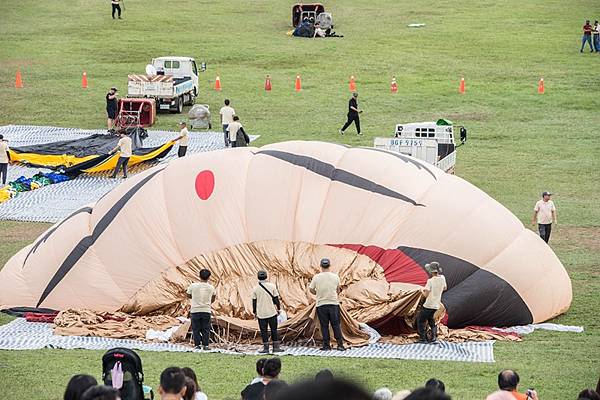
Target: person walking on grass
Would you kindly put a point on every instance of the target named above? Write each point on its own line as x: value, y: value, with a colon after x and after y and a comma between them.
x: 4, y: 159
x: 353, y: 114
x: 116, y: 7
x: 587, y: 36
x: 544, y: 214
x: 265, y: 307
x: 124, y: 146
x: 432, y: 292
x: 325, y: 285
x: 227, y: 113
x: 202, y: 295
x: 183, y: 139
x: 112, y: 105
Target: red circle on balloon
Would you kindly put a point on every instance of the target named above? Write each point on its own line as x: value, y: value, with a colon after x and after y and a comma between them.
x: 205, y: 184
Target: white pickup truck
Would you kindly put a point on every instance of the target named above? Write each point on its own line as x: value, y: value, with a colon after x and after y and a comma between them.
x: 171, y: 81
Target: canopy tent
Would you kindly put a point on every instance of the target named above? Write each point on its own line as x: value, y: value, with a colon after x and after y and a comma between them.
x: 379, y: 216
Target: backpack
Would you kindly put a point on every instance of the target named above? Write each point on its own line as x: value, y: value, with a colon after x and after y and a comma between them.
x: 133, y: 375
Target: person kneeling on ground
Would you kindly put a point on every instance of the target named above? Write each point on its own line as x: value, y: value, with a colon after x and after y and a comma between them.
x: 202, y: 295
x: 172, y: 384
x: 433, y: 293
x: 266, y: 306
x: 270, y: 372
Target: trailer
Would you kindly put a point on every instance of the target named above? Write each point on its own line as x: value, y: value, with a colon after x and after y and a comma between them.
x: 432, y: 142
x: 171, y: 81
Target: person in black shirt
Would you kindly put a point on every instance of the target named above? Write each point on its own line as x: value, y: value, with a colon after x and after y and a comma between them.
x: 353, y: 113
x: 111, y: 108
x: 271, y: 371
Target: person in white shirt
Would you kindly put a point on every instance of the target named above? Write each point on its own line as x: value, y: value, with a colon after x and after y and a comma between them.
x: 226, y: 114
x: 124, y: 145
x: 325, y: 286
x: 544, y: 213
x: 432, y: 292
x: 4, y: 159
x: 237, y: 135
x: 266, y: 306
x: 183, y: 139
x: 202, y: 295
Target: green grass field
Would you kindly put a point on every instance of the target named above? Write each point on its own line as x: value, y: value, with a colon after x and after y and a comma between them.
x: 520, y: 142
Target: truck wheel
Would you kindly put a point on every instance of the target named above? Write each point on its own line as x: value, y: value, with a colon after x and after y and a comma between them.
x: 179, y: 104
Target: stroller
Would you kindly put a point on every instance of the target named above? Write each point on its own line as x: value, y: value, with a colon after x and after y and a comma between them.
x: 133, y: 375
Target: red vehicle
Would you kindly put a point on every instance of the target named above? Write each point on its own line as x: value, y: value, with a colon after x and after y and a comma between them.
x: 136, y: 113
x: 301, y: 11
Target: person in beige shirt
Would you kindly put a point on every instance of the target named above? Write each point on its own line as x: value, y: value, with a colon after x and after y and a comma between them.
x: 237, y: 136
x: 544, y: 214
x: 266, y: 306
x: 202, y: 294
x: 325, y: 286
x: 432, y: 291
x: 226, y: 112
x: 4, y: 159
x: 183, y: 139
x: 124, y: 146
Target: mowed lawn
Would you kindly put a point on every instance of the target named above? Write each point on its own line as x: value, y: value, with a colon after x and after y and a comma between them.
x: 520, y: 142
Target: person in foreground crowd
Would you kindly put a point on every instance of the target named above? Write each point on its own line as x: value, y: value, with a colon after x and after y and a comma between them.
x: 383, y: 394
x: 508, y: 381
x: 260, y: 364
x: 401, y: 395
x: 172, y: 384
x: 588, y: 394
x: 271, y: 371
x: 189, y: 373
x: 101, y: 393
x: 324, y: 376
x: 426, y: 393
x: 325, y: 285
x: 202, y: 295
x: 183, y: 139
x: 432, y: 292
x: 265, y: 307
x: 272, y: 390
x: 77, y: 385
x: 124, y: 145
x: 436, y: 384
x: 544, y: 213
x: 335, y: 389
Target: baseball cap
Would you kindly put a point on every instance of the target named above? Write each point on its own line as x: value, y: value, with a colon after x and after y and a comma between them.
x: 325, y: 263
x: 433, y: 267
x: 261, y: 275
x: 546, y: 193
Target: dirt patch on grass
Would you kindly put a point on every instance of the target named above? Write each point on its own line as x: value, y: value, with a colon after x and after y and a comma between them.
x: 581, y: 237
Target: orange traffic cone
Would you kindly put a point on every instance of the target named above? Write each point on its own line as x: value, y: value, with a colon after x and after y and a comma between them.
x: 541, y: 86
x: 84, y: 80
x: 394, y: 85
x: 268, y: 83
x: 218, y: 84
x: 352, y: 84
x: 18, y: 80
x: 461, y: 87
x: 298, y: 83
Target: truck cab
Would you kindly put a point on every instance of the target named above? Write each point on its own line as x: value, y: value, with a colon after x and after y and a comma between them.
x: 179, y: 68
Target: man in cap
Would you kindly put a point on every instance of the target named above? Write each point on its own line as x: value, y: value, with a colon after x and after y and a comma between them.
x: 183, y: 139
x: 325, y: 285
x: 111, y: 108
x: 266, y: 306
x: 544, y: 213
x: 432, y: 292
x: 353, y: 113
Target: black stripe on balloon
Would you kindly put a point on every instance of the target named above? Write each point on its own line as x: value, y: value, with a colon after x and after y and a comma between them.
x: 52, y: 230
x: 85, y: 243
x: 339, y: 175
x: 404, y: 158
x: 475, y: 296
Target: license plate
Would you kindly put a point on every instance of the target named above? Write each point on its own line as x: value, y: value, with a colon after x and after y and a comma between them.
x: 165, y: 106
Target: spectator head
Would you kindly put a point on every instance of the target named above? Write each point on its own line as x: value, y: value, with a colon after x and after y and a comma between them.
x: 508, y: 380
x: 272, y: 368
x: 436, y: 384
x: 204, y: 274
x: 113, y: 90
x: 182, y: 124
x: 172, y: 381
x: 77, y: 385
x: 262, y: 275
x: 236, y: 118
x: 260, y: 364
x: 426, y: 393
x: 101, y: 393
x: 588, y: 394
x: 500, y: 395
x: 383, y: 394
x: 355, y: 94
x: 189, y: 373
x: 401, y: 395
x: 587, y: 21
x: 190, y: 389
x: 325, y: 263
x: 324, y: 376
x: 336, y: 389
x: 226, y: 102
x: 272, y: 390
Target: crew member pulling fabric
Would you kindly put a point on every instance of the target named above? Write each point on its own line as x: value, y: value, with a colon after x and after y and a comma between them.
x: 124, y: 146
x: 183, y: 139
x: 433, y: 290
x: 4, y: 159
